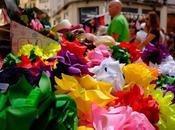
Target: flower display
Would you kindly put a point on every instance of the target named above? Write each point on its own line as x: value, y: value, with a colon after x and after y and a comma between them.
x: 110, y: 71
x: 74, y: 47
x: 132, y: 49
x: 71, y: 64
x: 84, y: 82
x: 85, y: 91
x: 97, y: 55
x: 120, y: 54
x: 36, y: 107
x: 36, y: 25
x: 167, y: 109
x: 167, y: 66
x: 135, y: 99
x: 119, y: 118
x: 139, y: 73
x: 154, y: 53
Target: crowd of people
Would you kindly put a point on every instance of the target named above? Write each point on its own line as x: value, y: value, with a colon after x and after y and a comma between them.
x: 143, y: 31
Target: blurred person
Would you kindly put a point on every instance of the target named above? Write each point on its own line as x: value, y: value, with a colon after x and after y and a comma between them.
x: 170, y: 44
x: 118, y: 27
x: 132, y: 32
x: 162, y: 35
x: 152, y: 24
x: 141, y: 34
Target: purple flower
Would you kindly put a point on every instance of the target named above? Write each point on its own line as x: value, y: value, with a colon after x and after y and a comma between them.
x: 170, y: 88
x: 154, y: 53
x: 70, y: 64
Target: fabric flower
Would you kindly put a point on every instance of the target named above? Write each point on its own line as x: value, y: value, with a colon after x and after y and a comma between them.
x: 119, y: 118
x: 135, y: 99
x: 36, y: 67
x: 139, y: 73
x: 97, y: 55
x: 52, y: 49
x: 25, y: 107
x: 70, y: 64
x: 10, y: 60
x: 121, y: 54
x: 154, y: 53
x: 85, y: 128
x: 36, y: 25
x: 85, y: 90
x: 12, y: 74
x: 167, y: 66
x: 167, y: 83
x: 27, y: 48
x: 109, y: 71
x: 167, y: 109
x: 132, y: 49
x: 74, y: 47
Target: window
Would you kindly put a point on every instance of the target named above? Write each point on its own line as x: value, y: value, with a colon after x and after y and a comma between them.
x: 87, y: 12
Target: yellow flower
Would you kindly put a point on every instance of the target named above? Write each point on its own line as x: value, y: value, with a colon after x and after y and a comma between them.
x: 85, y: 91
x: 139, y: 73
x: 84, y: 128
x: 26, y: 49
x: 167, y: 109
x: 52, y: 49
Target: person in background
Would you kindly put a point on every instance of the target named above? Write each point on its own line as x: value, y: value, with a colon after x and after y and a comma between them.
x: 162, y: 36
x: 132, y: 32
x: 152, y: 24
x: 118, y: 27
x: 170, y: 44
x: 141, y: 34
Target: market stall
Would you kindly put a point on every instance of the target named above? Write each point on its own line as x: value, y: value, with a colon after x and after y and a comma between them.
x: 85, y: 82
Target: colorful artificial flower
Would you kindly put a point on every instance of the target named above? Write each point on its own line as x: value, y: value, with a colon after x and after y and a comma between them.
x: 121, y: 54
x: 36, y: 25
x: 167, y: 66
x: 35, y: 67
x: 71, y: 64
x: 109, y: 71
x: 25, y: 107
x: 167, y: 109
x: 74, y: 47
x: 132, y: 49
x: 85, y: 91
x: 154, y: 53
x: 97, y: 55
x: 27, y: 48
x: 135, y: 99
x: 51, y: 50
x: 85, y: 128
x: 167, y: 83
x: 119, y: 118
x: 140, y: 74
x: 12, y: 74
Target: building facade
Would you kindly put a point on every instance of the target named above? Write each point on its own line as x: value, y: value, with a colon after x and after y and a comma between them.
x: 27, y: 3
x: 78, y: 10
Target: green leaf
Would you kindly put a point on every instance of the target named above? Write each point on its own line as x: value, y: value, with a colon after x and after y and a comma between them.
x: 45, y: 84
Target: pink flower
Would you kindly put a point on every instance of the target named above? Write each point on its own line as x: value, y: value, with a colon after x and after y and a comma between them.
x: 99, y: 54
x: 120, y: 118
x: 36, y: 25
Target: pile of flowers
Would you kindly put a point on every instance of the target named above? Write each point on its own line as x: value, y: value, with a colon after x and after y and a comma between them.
x: 68, y: 86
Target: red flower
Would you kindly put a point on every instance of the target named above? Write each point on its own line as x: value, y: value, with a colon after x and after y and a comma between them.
x: 25, y: 62
x: 135, y: 99
x: 74, y: 47
x: 132, y: 49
